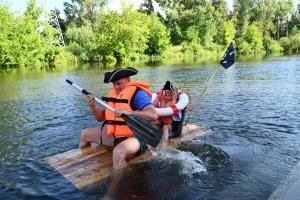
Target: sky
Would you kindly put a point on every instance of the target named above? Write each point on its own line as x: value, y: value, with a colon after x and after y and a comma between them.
x: 20, y: 5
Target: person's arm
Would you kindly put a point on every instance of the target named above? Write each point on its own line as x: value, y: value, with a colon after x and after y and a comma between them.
x: 141, y: 102
x: 180, y: 105
x: 154, y: 98
x: 183, y: 101
x: 147, y: 113
x: 98, y: 113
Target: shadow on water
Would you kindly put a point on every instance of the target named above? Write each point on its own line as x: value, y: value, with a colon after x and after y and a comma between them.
x: 167, y: 176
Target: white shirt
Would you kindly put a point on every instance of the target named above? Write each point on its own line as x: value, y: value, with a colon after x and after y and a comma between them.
x: 183, y: 101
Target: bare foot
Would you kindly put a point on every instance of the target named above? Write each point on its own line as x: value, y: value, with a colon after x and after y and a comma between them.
x: 163, y: 146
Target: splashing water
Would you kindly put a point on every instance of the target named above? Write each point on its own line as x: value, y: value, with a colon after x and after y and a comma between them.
x: 189, y: 162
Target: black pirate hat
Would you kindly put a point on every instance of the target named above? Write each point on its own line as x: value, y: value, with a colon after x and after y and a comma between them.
x: 168, y: 86
x: 117, y: 74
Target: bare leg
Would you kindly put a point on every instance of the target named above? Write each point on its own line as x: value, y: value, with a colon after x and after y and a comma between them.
x: 163, y: 144
x: 125, y: 149
x: 92, y: 135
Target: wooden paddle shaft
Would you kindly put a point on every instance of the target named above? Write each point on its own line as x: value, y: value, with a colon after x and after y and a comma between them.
x: 84, y: 91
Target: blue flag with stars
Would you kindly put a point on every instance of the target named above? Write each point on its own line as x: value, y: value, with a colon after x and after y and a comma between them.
x: 228, y: 58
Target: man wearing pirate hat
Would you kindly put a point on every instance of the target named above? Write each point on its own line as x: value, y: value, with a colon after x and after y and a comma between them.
x: 127, y: 97
x: 170, y: 105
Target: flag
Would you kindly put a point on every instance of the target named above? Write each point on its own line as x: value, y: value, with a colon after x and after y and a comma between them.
x: 228, y: 58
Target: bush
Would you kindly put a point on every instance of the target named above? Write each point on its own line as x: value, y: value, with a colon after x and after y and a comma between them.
x: 244, y: 47
x: 271, y: 46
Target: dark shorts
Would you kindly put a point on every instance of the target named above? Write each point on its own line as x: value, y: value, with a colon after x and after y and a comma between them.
x: 176, y: 127
x: 143, y: 145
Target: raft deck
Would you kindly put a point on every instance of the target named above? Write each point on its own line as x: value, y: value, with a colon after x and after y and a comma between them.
x: 89, y: 165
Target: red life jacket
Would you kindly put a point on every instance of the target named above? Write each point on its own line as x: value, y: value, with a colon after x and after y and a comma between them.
x: 162, y: 102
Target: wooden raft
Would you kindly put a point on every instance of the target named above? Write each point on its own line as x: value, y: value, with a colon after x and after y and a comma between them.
x: 89, y: 165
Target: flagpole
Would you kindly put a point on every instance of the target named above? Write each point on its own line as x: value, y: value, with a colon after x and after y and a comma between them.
x: 227, y: 61
x: 200, y: 98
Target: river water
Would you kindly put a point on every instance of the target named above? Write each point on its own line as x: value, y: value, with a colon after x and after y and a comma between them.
x: 252, y: 109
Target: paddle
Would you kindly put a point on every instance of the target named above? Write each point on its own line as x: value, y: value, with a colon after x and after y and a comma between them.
x: 141, y: 128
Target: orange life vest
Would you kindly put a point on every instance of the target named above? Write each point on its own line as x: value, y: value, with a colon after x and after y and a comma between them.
x: 162, y: 102
x: 116, y: 125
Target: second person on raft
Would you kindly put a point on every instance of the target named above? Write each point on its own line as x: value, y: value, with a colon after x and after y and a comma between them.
x: 170, y: 105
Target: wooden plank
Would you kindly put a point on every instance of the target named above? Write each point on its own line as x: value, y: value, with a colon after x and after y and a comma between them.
x: 86, y: 166
x: 73, y: 156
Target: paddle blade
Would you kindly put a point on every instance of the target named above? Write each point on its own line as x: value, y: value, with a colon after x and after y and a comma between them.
x: 228, y: 58
x: 144, y: 130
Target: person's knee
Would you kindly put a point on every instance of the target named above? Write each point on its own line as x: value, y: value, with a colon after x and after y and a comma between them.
x: 84, y: 135
x: 119, y: 152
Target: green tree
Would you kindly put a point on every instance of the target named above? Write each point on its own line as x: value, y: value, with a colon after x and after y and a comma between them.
x: 295, y: 41
x: 24, y: 41
x: 192, y: 44
x: 122, y: 35
x: 77, y: 11
x: 159, y: 38
x: 33, y: 11
x: 82, y: 42
x: 179, y: 16
x: 263, y: 13
x: 283, y: 11
x: 29, y: 44
x: 252, y: 41
x: 147, y: 7
x: 291, y: 44
x: 220, y: 16
x: 271, y: 45
x: 227, y: 33
x: 205, y: 22
x: 294, y: 26
x: 6, y: 27
x: 179, y: 4
x: 206, y: 15
x: 242, y: 13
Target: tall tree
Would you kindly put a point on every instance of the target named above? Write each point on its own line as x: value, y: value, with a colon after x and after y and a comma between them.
x: 6, y: 26
x: 22, y: 38
x: 227, y: 33
x: 147, y: 7
x: 82, y: 42
x: 159, y: 38
x: 32, y: 10
x: 179, y: 16
x: 243, y: 12
x: 294, y: 26
x: 283, y: 13
x: 121, y: 35
x: 79, y: 10
x: 263, y: 13
x: 220, y: 15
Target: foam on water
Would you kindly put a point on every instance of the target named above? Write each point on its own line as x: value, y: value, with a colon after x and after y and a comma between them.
x: 189, y: 162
